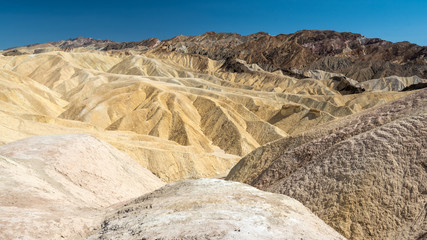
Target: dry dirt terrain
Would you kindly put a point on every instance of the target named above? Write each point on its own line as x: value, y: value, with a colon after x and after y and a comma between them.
x: 335, y: 121
x: 179, y: 115
x: 365, y: 174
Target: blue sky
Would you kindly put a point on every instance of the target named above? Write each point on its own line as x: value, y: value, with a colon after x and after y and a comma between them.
x: 25, y: 22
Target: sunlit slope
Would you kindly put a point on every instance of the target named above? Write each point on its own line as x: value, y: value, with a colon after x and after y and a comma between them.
x: 59, y: 186
x: 178, y: 115
x: 213, y: 209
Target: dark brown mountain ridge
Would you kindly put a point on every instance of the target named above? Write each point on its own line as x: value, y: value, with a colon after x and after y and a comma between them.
x: 351, y: 54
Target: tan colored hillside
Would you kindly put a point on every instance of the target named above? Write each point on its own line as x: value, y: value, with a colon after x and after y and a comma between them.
x: 91, y: 130
x: 178, y: 115
x: 364, y: 175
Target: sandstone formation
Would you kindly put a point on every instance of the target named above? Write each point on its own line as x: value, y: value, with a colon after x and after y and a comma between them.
x: 213, y: 209
x: 181, y: 116
x: 59, y: 186
x: 335, y: 120
x: 365, y: 174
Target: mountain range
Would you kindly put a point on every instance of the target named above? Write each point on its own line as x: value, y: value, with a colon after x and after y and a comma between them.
x: 351, y: 54
x: 159, y: 139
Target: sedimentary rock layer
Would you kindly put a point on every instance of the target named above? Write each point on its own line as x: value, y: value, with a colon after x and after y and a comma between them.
x: 178, y: 115
x: 363, y: 174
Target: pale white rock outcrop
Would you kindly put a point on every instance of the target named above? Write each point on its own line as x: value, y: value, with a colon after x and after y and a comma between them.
x: 213, y: 209
x: 59, y: 186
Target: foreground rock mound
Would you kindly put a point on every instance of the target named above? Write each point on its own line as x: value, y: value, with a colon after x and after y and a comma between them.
x: 213, y: 209
x: 58, y: 186
x: 365, y: 174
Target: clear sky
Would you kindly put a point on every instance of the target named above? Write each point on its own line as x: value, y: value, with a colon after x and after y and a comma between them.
x: 24, y: 22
